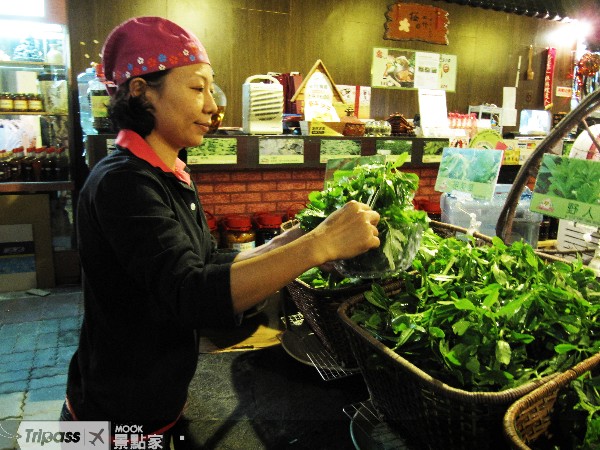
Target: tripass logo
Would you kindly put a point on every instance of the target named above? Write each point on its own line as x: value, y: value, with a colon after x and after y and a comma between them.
x: 50, y: 435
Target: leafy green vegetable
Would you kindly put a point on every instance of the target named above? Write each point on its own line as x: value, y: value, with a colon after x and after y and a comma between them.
x: 487, y: 317
x: 318, y: 279
x: 385, y: 189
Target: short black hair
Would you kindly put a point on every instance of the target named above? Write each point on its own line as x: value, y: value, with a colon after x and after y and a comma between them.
x: 135, y: 113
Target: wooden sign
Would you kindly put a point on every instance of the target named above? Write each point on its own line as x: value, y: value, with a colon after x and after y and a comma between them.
x: 414, y: 22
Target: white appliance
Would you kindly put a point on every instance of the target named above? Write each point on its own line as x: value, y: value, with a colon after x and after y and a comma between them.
x: 262, y: 105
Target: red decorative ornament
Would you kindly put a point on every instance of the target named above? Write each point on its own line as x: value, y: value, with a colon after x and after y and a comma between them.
x: 588, y: 65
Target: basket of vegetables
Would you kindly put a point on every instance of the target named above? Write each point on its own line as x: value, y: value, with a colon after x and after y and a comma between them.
x: 474, y: 327
x: 563, y: 413
x: 317, y: 295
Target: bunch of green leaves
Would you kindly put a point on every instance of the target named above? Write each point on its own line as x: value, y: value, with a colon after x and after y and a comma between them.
x: 319, y: 279
x: 575, y: 419
x: 487, y: 318
x: 383, y: 187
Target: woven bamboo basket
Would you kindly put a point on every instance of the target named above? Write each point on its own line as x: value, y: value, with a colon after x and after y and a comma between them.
x: 424, y: 410
x: 530, y: 417
x: 319, y: 309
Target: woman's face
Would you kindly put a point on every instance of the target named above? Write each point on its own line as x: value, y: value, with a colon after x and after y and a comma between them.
x: 183, y: 105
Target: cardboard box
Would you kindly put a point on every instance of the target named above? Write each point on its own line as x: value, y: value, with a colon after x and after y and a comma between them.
x: 17, y: 258
x: 32, y: 210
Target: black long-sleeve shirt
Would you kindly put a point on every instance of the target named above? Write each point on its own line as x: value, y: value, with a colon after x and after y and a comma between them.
x: 151, y: 277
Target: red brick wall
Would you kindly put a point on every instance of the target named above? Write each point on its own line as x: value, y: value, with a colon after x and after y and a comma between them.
x: 279, y: 191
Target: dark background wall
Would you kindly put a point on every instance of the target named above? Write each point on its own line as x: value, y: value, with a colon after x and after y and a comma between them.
x: 249, y: 37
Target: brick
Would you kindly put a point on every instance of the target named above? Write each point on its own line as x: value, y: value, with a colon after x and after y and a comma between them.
x: 276, y: 196
x: 230, y: 187
x: 261, y: 186
x: 277, y: 175
x: 246, y: 176
x: 426, y: 191
x: 312, y: 174
x: 291, y: 185
x: 300, y: 196
x: 210, y: 199
x: 222, y: 210
x: 204, y: 188
x: 208, y: 177
x: 315, y: 185
x: 246, y: 197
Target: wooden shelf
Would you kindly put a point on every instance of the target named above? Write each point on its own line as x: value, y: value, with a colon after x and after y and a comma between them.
x: 36, y: 186
x: 31, y: 113
x: 30, y: 65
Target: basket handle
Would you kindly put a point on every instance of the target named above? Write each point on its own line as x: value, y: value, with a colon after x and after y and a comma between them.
x: 531, y: 167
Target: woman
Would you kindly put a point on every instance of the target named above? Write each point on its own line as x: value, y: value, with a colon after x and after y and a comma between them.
x: 151, y: 273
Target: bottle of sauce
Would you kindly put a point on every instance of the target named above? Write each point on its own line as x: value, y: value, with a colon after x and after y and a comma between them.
x: 34, y: 103
x: 61, y: 168
x: 267, y: 226
x: 40, y: 155
x: 14, y: 163
x: 4, y: 169
x: 27, y: 164
x: 238, y: 233
x: 49, y: 165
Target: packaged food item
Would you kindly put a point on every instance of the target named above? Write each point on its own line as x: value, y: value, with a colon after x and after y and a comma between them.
x: 238, y: 233
x: 268, y: 225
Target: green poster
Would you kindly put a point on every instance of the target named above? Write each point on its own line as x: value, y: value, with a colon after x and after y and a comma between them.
x: 568, y: 188
x: 469, y: 170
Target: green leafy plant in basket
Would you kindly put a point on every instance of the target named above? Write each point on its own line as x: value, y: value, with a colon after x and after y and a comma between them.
x: 487, y: 318
x: 386, y: 190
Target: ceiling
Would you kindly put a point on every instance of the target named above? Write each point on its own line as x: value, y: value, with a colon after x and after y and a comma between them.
x: 543, y: 9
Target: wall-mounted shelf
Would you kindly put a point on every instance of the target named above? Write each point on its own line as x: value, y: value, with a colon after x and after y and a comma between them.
x: 36, y: 186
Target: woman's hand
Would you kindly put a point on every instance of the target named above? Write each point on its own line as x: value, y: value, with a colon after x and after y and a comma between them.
x: 348, y: 232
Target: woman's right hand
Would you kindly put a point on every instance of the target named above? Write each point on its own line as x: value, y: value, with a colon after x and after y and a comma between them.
x: 348, y: 232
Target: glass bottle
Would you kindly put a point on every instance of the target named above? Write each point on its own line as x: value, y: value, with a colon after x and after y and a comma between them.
x: 27, y: 164
x: 267, y: 226
x: 38, y: 162
x: 99, y: 100
x: 85, y: 109
x: 4, y: 169
x: 61, y: 168
x: 49, y: 164
x: 14, y: 164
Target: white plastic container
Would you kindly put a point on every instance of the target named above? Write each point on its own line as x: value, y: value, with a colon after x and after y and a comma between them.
x: 262, y: 105
x: 456, y: 210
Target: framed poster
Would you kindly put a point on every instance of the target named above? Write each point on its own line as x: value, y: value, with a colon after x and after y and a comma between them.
x: 395, y: 68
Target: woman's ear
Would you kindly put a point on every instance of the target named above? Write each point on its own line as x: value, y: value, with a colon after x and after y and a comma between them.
x: 137, y: 87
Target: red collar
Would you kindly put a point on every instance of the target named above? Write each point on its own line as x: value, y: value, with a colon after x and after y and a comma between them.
x: 139, y: 147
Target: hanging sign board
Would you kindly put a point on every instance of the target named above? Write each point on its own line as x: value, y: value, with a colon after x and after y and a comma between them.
x: 415, y: 22
x: 394, y: 68
x: 568, y: 188
x: 468, y: 170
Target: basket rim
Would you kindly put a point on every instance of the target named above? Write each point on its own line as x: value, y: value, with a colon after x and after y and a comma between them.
x: 528, y: 400
x: 437, y: 386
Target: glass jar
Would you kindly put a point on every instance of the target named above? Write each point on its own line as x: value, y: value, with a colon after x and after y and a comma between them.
x: 6, y: 102
x: 238, y: 233
x: 213, y: 227
x: 34, y: 103
x: 20, y: 102
x: 268, y: 226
